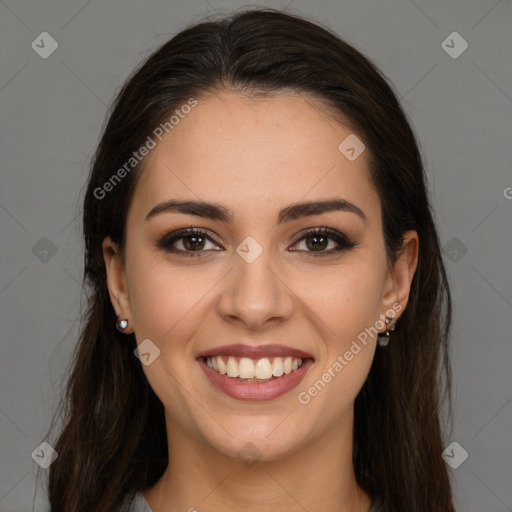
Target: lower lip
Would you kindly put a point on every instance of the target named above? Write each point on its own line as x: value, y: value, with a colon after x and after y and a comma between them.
x: 256, y: 391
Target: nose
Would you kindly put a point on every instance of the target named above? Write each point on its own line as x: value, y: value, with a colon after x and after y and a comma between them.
x: 255, y: 296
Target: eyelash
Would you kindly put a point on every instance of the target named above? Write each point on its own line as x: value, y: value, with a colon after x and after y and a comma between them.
x: 344, y: 244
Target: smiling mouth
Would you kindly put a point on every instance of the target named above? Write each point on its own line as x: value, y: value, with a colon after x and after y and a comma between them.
x: 244, y: 369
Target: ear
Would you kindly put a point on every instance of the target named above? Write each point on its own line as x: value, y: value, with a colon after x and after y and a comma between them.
x: 399, y: 278
x: 116, y: 282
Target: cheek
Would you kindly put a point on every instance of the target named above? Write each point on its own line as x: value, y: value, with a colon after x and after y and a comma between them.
x: 168, y: 306
x: 346, y: 305
x: 163, y: 295
x: 346, y: 299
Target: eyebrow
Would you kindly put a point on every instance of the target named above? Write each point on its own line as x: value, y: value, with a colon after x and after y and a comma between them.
x: 217, y: 212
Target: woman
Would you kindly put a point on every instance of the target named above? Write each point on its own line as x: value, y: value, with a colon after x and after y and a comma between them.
x: 268, y: 306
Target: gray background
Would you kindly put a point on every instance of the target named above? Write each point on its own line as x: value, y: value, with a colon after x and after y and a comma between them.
x: 52, y: 111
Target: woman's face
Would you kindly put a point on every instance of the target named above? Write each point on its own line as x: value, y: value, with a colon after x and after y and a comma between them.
x: 255, y: 277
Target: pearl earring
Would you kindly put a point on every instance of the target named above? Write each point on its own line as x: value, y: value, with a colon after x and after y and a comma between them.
x: 121, y: 325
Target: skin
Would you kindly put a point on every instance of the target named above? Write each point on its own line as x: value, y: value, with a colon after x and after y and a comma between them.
x: 256, y: 156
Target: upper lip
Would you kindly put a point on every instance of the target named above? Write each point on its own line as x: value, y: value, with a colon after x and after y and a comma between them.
x: 255, y: 352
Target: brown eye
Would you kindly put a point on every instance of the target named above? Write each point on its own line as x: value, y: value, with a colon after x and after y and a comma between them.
x: 193, y: 242
x: 189, y: 241
x: 324, y: 241
x: 317, y: 242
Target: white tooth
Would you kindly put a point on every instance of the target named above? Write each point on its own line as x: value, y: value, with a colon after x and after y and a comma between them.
x: 209, y: 362
x: 263, y: 369
x: 214, y: 364
x: 221, y: 364
x: 246, y: 368
x: 277, y: 367
x: 287, y: 365
x: 232, y: 367
x: 299, y: 362
x: 295, y: 363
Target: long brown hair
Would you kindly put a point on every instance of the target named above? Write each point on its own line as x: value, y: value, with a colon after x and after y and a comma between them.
x: 113, y: 437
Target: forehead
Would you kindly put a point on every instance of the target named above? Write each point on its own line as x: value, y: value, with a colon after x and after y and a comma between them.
x: 238, y: 150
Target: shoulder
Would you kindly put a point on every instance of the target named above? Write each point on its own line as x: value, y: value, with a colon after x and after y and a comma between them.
x: 135, y: 502
x: 377, y: 505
